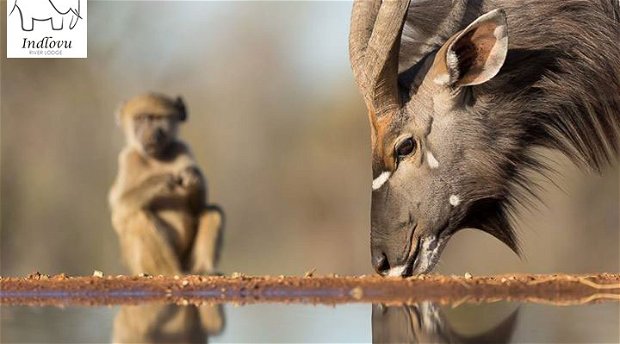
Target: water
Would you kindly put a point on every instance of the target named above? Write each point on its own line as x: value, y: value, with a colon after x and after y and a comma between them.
x: 499, y: 322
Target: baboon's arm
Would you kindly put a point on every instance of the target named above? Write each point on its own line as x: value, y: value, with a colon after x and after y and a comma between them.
x: 135, y: 188
x: 155, y: 187
x: 193, y: 182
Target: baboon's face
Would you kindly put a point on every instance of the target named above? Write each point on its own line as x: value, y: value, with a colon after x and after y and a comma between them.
x: 151, y: 122
x: 153, y: 132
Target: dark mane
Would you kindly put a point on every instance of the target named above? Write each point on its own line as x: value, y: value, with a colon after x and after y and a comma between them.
x: 559, y: 88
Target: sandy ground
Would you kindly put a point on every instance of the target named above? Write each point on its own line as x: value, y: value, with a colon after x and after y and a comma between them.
x: 60, y: 290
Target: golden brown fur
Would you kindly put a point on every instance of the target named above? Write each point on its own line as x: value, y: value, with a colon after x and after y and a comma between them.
x: 167, y: 323
x: 158, y: 200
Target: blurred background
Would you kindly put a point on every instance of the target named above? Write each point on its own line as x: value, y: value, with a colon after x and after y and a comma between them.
x: 278, y: 126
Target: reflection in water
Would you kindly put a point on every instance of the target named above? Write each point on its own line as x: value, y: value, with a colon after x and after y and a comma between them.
x: 167, y: 323
x: 425, y: 323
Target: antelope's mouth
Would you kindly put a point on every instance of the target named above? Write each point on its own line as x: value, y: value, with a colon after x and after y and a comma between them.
x: 406, y: 269
x: 424, y: 257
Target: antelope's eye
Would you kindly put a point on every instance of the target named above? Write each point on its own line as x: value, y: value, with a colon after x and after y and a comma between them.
x: 405, y: 148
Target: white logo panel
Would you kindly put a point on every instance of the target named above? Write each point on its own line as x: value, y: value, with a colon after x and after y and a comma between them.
x: 46, y: 29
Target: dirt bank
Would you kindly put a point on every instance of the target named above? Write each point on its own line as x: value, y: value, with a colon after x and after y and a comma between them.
x: 60, y: 290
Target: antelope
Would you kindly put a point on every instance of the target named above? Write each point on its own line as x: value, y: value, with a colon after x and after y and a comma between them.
x: 425, y: 322
x: 461, y: 94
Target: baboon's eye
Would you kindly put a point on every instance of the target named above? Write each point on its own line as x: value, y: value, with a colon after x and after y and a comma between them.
x: 146, y: 117
x: 405, y: 148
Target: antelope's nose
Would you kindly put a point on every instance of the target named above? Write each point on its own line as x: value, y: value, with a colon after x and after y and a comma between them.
x: 380, y: 262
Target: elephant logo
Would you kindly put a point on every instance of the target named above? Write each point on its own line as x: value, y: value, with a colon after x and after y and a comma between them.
x: 57, y: 12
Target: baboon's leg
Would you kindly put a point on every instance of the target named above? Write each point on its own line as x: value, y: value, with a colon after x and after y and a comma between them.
x: 158, y: 323
x: 134, y: 324
x: 212, y: 318
x: 207, y: 243
x: 146, y: 247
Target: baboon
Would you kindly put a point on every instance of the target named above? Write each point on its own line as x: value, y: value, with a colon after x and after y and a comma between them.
x: 159, y: 198
x: 167, y: 323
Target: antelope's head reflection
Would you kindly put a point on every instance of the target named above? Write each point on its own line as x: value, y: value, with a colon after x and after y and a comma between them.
x: 425, y: 323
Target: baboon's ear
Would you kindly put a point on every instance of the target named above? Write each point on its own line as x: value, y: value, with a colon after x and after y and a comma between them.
x: 180, y: 105
x: 118, y: 114
x: 474, y: 55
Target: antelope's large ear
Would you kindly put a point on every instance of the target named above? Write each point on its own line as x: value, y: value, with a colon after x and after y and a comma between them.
x: 474, y: 55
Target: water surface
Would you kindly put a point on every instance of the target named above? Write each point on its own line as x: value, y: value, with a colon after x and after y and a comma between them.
x: 500, y: 322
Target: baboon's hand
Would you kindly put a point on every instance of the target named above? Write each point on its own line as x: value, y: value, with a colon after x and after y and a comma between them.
x: 141, y: 195
x: 171, y: 182
x: 190, y: 178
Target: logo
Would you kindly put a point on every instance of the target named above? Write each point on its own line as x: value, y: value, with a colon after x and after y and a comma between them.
x: 46, y: 28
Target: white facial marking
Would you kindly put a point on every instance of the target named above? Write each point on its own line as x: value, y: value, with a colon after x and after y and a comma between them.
x: 427, y: 258
x: 424, y: 255
x: 380, y: 180
x: 453, y: 65
x: 430, y: 317
x: 396, y: 271
x: 454, y: 200
x: 432, y: 162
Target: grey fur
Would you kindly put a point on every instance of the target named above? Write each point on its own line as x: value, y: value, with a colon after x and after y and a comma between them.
x: 559, y: 88
x: 547, y: 74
